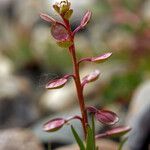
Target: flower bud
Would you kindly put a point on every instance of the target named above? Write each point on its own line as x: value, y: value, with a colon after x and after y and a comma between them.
x: 62, y: 7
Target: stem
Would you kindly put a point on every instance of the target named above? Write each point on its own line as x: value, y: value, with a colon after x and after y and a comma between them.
x: 77, y: 80
x: 79, y: 90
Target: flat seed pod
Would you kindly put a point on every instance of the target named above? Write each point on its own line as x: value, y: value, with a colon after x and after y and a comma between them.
x: 47, y: 18
x: 91, y: 77
x: 58, y: 83
x: 101, y: 58
x: 91, y: 109
x: 115, y: 132
x: 86, y: 19
x: 54, y: 125
x: 59, y: 32
x: 106, y: 117
x: 118, y: 131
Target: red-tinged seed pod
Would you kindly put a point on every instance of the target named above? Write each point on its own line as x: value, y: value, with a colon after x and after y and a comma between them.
x: 58, y: 83
x: 92, y: 109
x: 118, y: 131
x: 91, y: 77
x: 84, y: 22
x: 115, y: 132
x: 59, y: 32
x: 86, y: 19
x: 47, y: 18
x: 106, y: 117
x: 101, y: 58
x: 54, y: 124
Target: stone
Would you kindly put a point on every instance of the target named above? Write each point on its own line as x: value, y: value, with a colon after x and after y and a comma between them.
x: 103, y: 144
x: 146, y: 11
x: 138, y: 118
x: 17, y: 107
x: 6, y: 66
x: 19, y: 139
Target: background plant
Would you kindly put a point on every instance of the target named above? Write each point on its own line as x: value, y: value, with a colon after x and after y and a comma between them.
x: 64, y: 36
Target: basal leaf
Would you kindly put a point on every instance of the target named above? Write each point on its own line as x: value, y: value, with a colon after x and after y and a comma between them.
x: 78, y: 139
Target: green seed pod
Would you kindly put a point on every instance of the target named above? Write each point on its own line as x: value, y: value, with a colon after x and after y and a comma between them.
x: 64, y: 44
x: 56, y: 8
x: 68, y: 14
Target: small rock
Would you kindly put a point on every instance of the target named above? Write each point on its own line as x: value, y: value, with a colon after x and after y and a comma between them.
x: 17, y: 107
x: 146, y: 11
x: 6, y: 66
x: 103, y: 144
x: 19, y: 139
x: 139, y: 119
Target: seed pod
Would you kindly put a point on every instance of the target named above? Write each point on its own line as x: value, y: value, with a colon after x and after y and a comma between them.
x: 106, y: 117
x: 54, y: 124
x: 68, y: 14
x: 59, y: 32
x: 86, y: 19
x: 91, y: 77
x: 58, y: 83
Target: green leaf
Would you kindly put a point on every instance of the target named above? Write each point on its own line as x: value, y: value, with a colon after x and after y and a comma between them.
x: 93, y: 130
x: 90, y: 145
x: 122, y: 143
x: 97, y: 148
x: 68, y: 14
x: 77, y: 138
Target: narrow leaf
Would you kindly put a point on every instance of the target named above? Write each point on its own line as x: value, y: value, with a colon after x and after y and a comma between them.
x: 77, y: 138
x: 90, y: 139
x: 122, y: 143
x: 47, y: 18
x: 93, y: 131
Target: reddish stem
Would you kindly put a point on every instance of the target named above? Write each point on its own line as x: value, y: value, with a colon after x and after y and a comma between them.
x: 77, y: 80
x: 79, y: 90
